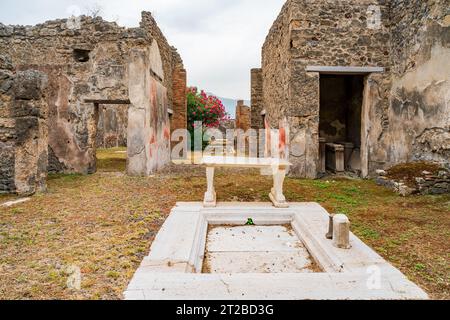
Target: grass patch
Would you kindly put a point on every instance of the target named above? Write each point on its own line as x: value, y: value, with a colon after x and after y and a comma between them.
x: 112, y: 160
x: 64, y: 178
x: 105, y: 224
x: 366, y: 233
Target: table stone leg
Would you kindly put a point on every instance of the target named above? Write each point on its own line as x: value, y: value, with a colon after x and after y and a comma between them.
x: 210, y: 195
x: 277, y: 197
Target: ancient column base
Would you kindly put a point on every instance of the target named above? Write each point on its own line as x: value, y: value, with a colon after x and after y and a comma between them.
x: 277, y: 202
x: 210, y: 200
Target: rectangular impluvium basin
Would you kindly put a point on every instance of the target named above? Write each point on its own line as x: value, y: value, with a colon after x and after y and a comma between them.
x: 256, y: 249
x: 216, y: 254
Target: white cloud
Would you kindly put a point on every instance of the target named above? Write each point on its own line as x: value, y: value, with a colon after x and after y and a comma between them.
x: 219, y: 40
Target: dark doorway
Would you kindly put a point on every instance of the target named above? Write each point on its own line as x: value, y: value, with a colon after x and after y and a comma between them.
x: 341, y: 101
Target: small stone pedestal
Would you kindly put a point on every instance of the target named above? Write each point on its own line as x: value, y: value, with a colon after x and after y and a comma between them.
x: 335, y: 157
x: 341, y: 231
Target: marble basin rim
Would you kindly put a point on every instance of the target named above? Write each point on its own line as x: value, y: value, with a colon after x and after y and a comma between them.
x: 173, y: 269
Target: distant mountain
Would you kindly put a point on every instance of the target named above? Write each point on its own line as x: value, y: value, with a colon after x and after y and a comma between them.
x: 230, y: 104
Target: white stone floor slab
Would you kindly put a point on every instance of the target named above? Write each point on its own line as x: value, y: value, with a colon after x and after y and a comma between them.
x: 259, y: 262
x: 252, y: 238
x: 255, y: 249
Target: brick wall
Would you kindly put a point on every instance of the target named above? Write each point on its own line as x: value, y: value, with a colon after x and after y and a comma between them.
x: 179, y: 117
x: 243, y: 116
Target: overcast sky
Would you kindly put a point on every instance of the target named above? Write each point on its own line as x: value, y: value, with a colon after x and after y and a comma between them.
x: 219, y: 40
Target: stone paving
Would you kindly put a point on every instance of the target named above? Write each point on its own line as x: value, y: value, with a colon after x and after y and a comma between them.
x: 256, y: 249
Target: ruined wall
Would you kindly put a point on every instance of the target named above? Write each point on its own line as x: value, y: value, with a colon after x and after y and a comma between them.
x: 112, y: 126
x: 85, y: 59
x: 23, y: 129
x: 276, y: 67
x: 171, y: 59
x: 419, y: 126
x: 148, y: 125
x: 243, y: 116
x: 179, y: 116
x: 81, y: 63
x: 321, y: 33
x: 405, y: 114
x: 257, y: 99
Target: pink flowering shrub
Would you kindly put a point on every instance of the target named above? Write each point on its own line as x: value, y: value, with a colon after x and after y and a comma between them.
x: 207, y: 109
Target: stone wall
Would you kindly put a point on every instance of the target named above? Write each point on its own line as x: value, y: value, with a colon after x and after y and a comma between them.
x: 256, y: 99
x: 148, y: 117
x: 87, y: 62
x: 23, y: 129
x: 419, y: 126
x: 171, y: 60
x: 276, y: 68
x: 320, y: 33
x: 405, y: 114
x: 425, y: 183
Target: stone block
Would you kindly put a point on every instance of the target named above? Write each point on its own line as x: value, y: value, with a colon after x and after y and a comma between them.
x: 7, y: 160
x: 341, y: 231
x: 26, y: 108
x: 6, y: 63
x: 29, y: 85
x: 405, y: 191
x: 5, y: 31
x: 6, y: 81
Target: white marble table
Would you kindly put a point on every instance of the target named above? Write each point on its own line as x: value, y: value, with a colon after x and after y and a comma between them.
x: 278, y: 168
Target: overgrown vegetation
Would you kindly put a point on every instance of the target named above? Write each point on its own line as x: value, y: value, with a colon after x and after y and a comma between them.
x: 112, y: 160
x: 408, y: 172
x: 106, y: 222
x: 205, y: 109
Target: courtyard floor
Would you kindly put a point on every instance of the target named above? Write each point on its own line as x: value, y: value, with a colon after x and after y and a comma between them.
x: 105, y: 223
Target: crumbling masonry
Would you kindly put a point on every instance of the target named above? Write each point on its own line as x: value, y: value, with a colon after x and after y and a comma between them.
x: 57, y: 78
x: 23, y: 129
x: 366, y: 79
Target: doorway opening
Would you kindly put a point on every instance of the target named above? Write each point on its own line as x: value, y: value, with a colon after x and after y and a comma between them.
x: 111, y: 136
x: 340, y: 126
x: 111, y: 139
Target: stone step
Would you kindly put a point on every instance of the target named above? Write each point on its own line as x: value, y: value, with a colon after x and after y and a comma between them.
x: 299, y: 286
